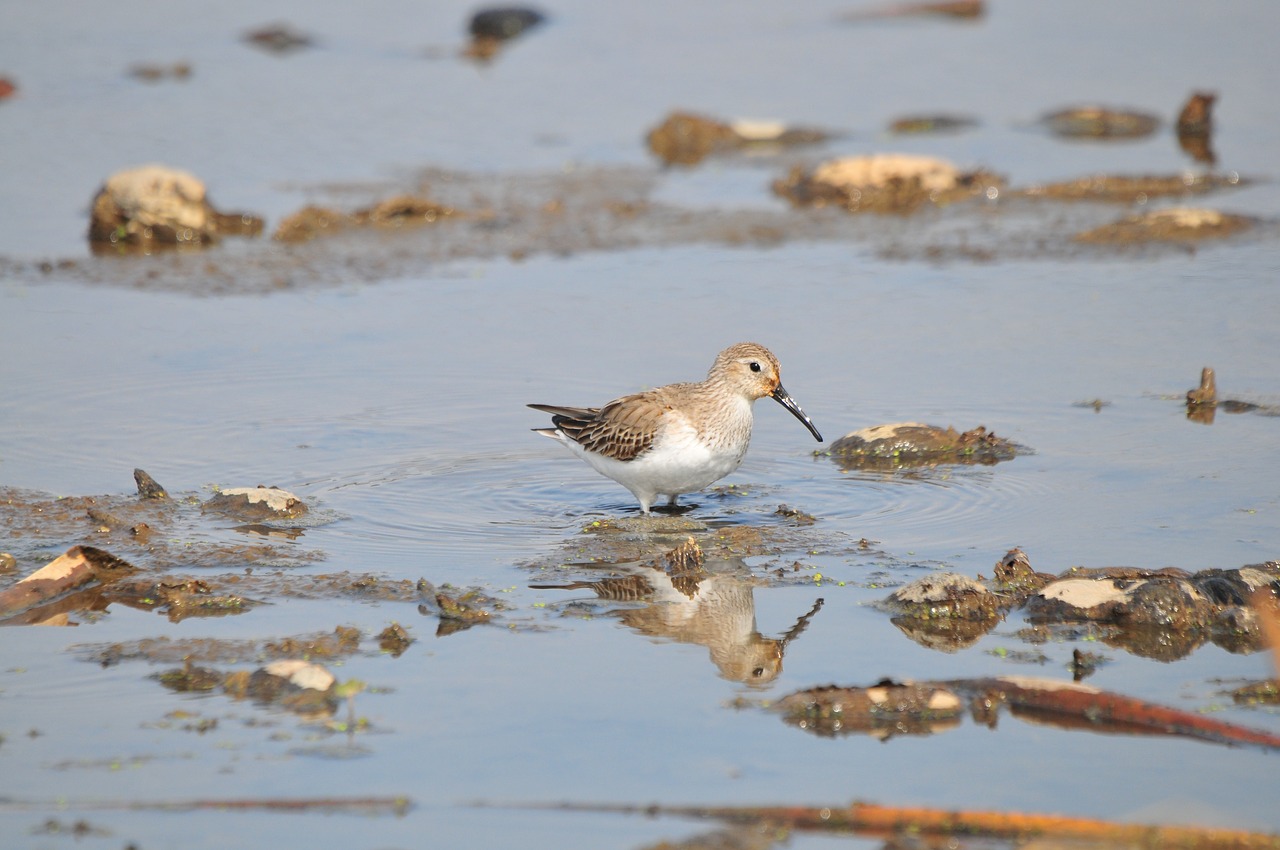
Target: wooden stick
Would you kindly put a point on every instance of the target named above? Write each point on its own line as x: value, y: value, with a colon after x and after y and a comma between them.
x: 888, y: 820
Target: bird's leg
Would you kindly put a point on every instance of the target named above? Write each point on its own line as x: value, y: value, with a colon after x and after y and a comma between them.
x: 671, y: 502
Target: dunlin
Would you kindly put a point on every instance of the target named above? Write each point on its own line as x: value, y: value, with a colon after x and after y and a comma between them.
x: 678, y: 438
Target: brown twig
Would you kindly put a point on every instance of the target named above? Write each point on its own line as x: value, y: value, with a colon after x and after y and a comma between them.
x: 887, y: 820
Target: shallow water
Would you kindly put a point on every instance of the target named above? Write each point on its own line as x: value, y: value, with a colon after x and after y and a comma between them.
x: 396, y: 405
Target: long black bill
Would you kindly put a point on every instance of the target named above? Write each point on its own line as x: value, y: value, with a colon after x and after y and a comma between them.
x: 783, y: 398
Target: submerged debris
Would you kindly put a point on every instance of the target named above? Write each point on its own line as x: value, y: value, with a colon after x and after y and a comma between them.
x: 686, y: 139
x: 308, y: 223
x: 394, y: 640
x: 963, y: 10
x: 1126, y: 189
x: 155, y: 205
x: 1100, y: 122
x: 913, y: 444
x: 884, y: 183
x: 401, y: 210
x: 1181, y: 224
x: 278, y: 38
x: 154, y: 73
x: 922, y: 124
x: 312, y: 221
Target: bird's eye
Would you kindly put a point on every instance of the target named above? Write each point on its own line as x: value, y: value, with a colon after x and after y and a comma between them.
x: 755, y: 367
x: 757, y: 672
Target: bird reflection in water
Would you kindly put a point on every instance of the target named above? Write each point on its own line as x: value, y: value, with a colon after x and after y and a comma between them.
x: 708, y: 605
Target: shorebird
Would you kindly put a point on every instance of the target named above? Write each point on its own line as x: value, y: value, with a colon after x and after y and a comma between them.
x: 679, y: 438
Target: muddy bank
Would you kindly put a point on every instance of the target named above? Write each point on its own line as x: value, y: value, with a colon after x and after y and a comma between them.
x: 513, y: 216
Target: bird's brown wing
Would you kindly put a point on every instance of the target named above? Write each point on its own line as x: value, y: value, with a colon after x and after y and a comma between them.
x: 623, y: 429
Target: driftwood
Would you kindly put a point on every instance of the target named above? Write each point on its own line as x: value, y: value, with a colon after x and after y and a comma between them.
x: 876, y: 820
x: 74, y: 569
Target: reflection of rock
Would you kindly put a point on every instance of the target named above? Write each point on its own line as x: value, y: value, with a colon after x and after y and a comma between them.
x: 157, y: 205
x: 686, y: 139
x: 688, y: 601
x: 885, y: 183
x: 1180, y: 224
x: 908, y: 444
x: 883, y: 710
x: 1100, y: 122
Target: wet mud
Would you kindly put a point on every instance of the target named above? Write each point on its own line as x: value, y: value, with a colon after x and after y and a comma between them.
x: 446, y: 216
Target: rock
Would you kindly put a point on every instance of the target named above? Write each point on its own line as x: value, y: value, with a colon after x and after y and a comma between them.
x: 686, y: 139
x: 256, y: 503
x: 491, y: 28
x: 1196, y: 117
x: 1100, y: 122
x: 944, y: 596
x: 1165, y: 601
x: 893, y: 183
x: 883, y: 710
x: 1195, y: 128
x: 147, y: 486
x: 1207, y: 392
x: 1180, y: 224
x: 908, y: 444
x: 504, y: 22
x: 157, y: 205
x: 1014, y: 572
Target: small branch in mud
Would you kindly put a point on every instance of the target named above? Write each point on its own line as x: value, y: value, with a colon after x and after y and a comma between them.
x: 869, y: 818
